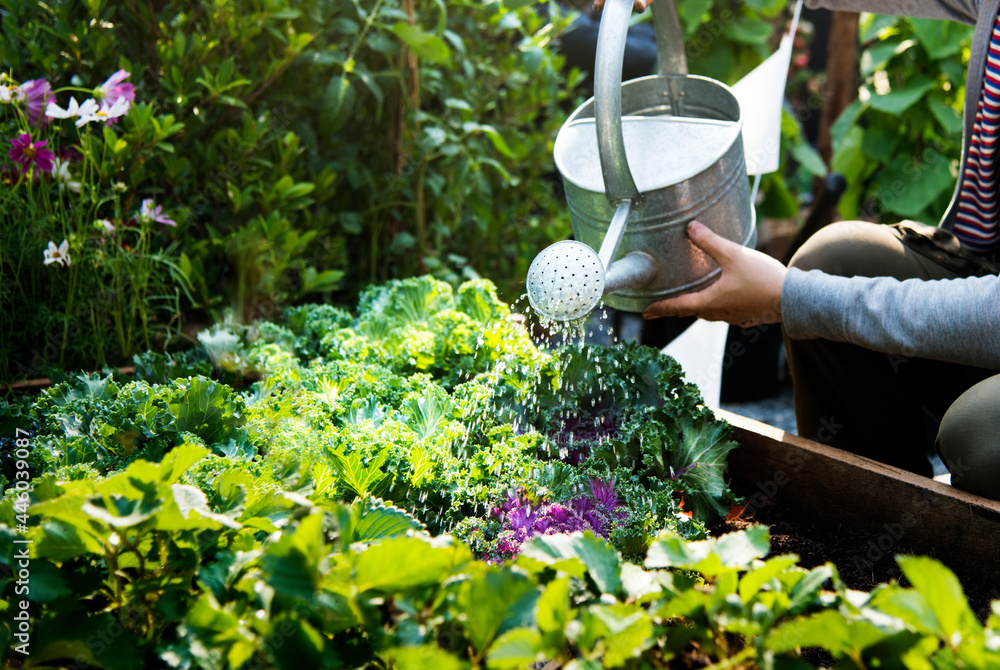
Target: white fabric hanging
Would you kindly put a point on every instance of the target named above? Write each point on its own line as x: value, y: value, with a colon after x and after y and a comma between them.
x: 761, y: 94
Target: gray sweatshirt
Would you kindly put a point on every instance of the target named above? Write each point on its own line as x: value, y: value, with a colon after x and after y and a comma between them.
x: 955, y: 320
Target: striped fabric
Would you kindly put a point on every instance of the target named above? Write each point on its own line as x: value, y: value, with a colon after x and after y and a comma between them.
x: 976, y: 223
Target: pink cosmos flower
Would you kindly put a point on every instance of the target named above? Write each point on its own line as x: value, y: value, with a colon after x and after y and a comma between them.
x: 37, y: 93
x: 148, y: 213
x: 25, y: 153
x: 114, y: 88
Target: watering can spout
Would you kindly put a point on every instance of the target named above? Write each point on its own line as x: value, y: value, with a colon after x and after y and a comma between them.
x: 632, y: 271
x: 635, y: 269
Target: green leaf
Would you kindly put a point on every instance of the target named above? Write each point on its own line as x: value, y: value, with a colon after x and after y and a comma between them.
x: 691, y: 13
x: 121, y: 512
x: 880, y: 143
x: 898, y: 101
x: 291, y: 565
x: 554, y: 610
x: 294, y: 644
x: 46, y: 583
x: 715, y: 556
x: 809, y: 158
x: 943, y: 593
x: 86, y: 640
x: 186, y: 499
x: 941, y: 39
x: 629, y: 632
x: 499, y: 143
x: 638, y: 584
x: 405, y: 562
x: 778, y: 199
x: 911, y: 607
x: 700, y: 462
x: 600, y: 559
x: 494, y: 600
x: 338, y: 103
x: 872, y: 24
x: 844, y: 124
x: 827, y: 630
x: 425, y: 45
x: 424, y: 657
x: 949, y: 117
x: 754, y: 580
x: 60, y: 540
x: 357, y: 477
x: 848, y: 157
x: 378, y: 521
x: 807, y: 589
x: 880, y: 53
x: 741, y: 548
x: 748, y: 30
x: 516, y: 648
x: 428, y: 414
x: 908, y: 185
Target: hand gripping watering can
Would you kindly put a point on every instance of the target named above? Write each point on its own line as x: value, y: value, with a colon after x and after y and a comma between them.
x: 682, y: 138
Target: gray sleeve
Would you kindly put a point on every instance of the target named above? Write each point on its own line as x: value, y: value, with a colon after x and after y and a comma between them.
x: 964, y: 11
x: 956, y: 320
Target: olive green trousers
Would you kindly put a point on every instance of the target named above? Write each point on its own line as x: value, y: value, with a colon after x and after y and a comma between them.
x: 888, y: 407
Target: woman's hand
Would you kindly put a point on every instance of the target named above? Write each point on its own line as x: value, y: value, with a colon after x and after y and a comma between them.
x: 639, y: 5
x: 747, y: 293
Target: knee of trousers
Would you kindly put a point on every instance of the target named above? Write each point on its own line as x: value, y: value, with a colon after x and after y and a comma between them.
x: 968, y: 439
x: 846, y: 249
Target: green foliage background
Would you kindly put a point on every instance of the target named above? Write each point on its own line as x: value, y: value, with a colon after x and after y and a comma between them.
x: 328, y: 144
x: 899, y: 144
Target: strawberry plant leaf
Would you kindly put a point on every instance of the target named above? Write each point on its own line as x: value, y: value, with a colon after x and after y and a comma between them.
x: 516, y: 648
x: 378, y: 521
x: 496, y: 600
x: 944, y: 595
x: 600, y: 560
x: 406, y: 562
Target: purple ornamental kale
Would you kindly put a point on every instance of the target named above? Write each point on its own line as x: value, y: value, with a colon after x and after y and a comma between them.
x: 521, y: 521
x: 604, y: 493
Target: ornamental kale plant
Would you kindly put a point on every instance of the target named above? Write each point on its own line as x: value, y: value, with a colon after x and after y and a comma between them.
x: 431, y: 399
x: 522, y: 519
x: 87, y: 263
x: 285, y: 494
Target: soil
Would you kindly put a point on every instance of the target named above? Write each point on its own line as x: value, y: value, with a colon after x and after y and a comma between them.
x: 862, y: 565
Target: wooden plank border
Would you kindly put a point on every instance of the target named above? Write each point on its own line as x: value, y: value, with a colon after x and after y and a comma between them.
x: 831, y: 487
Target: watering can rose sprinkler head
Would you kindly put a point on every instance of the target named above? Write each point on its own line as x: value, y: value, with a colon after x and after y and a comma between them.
x: 567, y: 280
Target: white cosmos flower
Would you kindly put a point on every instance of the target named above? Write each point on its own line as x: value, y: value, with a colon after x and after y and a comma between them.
x: 58, y: 254
x: 4, y: 93
x: 91, y: 111
x: 60, y: 171
x: 56, y: 112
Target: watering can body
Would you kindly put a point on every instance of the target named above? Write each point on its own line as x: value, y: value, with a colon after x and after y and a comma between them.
x: 669, y: 147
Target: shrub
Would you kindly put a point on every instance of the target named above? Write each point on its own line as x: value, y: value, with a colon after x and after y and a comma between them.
x: 330, y: 143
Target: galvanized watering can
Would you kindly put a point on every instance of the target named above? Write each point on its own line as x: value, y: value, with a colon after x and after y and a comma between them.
x: 639, y: 161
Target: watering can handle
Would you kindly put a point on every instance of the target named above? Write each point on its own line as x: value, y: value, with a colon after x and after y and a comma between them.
x: 618, y: 182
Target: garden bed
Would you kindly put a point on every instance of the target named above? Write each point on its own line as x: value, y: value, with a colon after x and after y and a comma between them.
x: 825, y: 504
